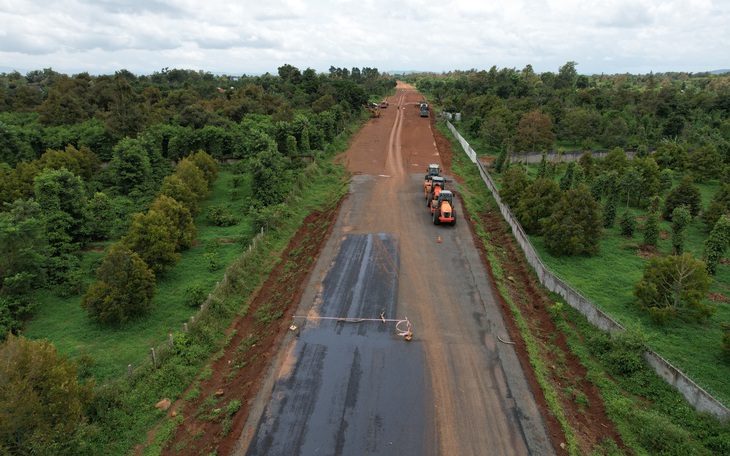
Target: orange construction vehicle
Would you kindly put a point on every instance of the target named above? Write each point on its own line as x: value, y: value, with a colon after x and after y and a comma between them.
x: 431, y: 171
x: 438, y: 183
x: 442, y: 208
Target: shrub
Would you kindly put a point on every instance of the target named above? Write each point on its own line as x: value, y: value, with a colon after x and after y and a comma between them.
x: 195, y: 294
x: 221, y: 216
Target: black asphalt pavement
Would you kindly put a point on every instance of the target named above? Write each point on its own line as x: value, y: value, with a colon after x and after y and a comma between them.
x: 355, y: 387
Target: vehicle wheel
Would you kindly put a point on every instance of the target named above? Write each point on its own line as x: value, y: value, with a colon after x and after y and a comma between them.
x: 436, y: 220
x: 453, y: 222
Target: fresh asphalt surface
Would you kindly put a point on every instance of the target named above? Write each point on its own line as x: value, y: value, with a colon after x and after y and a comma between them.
x: 356, y: 386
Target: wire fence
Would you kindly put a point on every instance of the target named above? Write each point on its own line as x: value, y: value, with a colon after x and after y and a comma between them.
x: 160, y: 353
x: 697, y: 396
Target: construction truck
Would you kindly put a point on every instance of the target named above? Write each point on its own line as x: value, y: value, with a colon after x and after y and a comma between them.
x: 442, y: 208
x: 432, y: 170
x: 438, y: 183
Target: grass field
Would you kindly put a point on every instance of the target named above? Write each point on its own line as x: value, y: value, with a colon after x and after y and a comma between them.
x: 608, y: 280
x: 63, y: 321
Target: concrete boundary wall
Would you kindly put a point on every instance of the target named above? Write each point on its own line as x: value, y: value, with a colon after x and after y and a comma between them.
x: 700, y: 399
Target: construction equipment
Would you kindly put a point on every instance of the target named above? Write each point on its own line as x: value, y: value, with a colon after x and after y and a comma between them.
x: 438, y: 183
x: 423, y: 106
x: 432, y: 170
x: 374, y: 109
x: 384, y: 103
x: 442, y: 208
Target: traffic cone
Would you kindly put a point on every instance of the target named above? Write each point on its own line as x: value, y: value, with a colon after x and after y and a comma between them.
x: 439, y: 240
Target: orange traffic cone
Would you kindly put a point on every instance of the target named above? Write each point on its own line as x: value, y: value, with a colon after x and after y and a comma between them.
x: 439, y: 240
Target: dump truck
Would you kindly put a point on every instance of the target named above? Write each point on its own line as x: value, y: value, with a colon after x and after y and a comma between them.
x: 442, y: 208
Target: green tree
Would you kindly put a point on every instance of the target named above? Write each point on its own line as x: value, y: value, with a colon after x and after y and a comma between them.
x: 588, y: 164
x: 534, y: 132
x: 719, y: 205
x: 674, y: 287
x: 123, y: 290
x: 125, y: 116
x: 131, y: 168
x: 22, y: 247
x: 181, y: 221
x: 175, y: 187
x: 514, y: 183
x: 566, y: 182
x: 62, y: 199
x: 649, y: 186
x: 680, y: 220
x: 271, y: 175
x: 501, y: 161
x: 684, y: 194
x: 154, y: 237
x: 631, y: 184
x: 196, y: 176
x: 717, y: 243
x: 536, y: 203
x: 65, y: 103
x: 574, y: 227
x: 651, y: 230
x: 102, y: 216
x: 82, y: 161
x: 615, y: 160
x: 610, y: 209
x: 628, y: 223
x: 670, y: 155
x: 42, y: 402
x: 705, y: 163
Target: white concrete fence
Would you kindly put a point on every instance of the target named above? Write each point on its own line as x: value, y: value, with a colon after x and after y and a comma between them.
x: 700, y: 399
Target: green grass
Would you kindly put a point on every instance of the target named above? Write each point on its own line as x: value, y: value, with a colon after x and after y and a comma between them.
x: 608, y: 280
x: 62, y: 320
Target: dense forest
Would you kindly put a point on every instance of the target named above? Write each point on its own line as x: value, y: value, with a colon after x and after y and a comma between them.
x: 586, y: 112
x: 121, y: 165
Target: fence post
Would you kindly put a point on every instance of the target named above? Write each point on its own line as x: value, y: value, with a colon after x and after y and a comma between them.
x: 172, y: 343
x: 185, y: 327
x: 154, y: 358
x: 131, y: 372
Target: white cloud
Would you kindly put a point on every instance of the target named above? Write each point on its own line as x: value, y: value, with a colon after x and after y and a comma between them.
x: 250, y: 36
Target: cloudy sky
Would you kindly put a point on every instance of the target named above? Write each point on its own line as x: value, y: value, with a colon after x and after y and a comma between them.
x: 257, y: 36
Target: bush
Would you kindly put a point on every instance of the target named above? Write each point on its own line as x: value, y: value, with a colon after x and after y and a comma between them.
x: 195, y: 294
x: 221, y: 216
